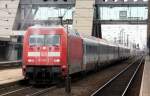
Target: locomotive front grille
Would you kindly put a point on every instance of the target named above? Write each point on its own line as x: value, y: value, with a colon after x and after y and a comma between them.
x: 43, y: 74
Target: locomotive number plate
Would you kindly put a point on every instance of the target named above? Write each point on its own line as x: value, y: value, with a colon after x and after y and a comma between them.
x: 44, y: 53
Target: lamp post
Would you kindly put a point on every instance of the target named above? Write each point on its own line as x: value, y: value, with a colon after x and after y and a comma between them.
x: 68, y: 78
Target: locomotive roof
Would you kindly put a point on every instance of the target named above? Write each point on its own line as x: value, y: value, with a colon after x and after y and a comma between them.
x: 98, y: 40
x: 47, y: 27
x: 104, y: 42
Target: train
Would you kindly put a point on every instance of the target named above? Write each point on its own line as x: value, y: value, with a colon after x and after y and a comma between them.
x: 49, y: 52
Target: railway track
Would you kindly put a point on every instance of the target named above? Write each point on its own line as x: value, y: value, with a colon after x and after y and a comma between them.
x: 18, y: 90
x: 10, y: 64
x: 27, y: 91
x: 120, y: 83
x: 75, y: 90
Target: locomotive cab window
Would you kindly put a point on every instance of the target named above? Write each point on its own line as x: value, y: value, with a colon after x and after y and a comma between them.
x: 52, y: 40
x: 36, y: 40
x: 43, y: 40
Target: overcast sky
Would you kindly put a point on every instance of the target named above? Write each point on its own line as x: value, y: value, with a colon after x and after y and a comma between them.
x: 137, y: 33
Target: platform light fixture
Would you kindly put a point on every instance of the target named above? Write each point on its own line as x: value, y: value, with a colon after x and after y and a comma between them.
x: 45, y: 0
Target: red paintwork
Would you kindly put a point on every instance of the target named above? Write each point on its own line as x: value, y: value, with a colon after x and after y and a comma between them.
x: 75, y: 50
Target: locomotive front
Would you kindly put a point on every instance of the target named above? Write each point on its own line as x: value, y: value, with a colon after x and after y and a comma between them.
x: 44, y: 53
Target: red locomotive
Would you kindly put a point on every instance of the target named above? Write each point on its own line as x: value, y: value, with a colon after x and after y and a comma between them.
x: 45, y: 52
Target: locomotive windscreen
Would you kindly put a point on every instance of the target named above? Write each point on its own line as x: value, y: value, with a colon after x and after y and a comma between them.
x: 44, y: 40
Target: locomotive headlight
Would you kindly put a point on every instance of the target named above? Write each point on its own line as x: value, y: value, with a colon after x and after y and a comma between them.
x: 44, y: 48
x: 30, y: 60
x: 23, y: 66
x: 64, y: 66
x: 56, y: 60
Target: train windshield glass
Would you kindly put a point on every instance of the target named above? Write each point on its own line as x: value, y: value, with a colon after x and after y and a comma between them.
x: 44, y: 40
x: 36, y: 40
x: 52, y: 40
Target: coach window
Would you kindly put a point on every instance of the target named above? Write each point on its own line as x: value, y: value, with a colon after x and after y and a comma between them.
x: 88, y: 49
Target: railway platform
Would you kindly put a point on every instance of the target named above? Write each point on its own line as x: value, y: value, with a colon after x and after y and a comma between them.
x: 145, y: 85
x: 7, y: 62
x: 10, y: 75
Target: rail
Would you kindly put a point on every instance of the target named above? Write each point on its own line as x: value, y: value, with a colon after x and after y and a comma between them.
x: 130, y: 82
x: 126, y: 74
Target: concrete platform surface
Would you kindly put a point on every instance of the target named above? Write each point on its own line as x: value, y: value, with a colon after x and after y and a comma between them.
x: 10, y: 75
x: 145, y: 86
